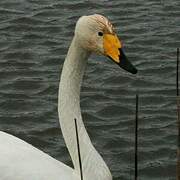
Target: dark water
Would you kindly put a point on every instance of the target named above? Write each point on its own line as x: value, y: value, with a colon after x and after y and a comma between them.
x: 34, y: 38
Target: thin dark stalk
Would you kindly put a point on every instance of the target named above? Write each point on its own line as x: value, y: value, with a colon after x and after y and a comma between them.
x: 178, y: 148
x: 78, y: 148
x: 178, y: 116
x: 136, y: 138
x: 177, y: 73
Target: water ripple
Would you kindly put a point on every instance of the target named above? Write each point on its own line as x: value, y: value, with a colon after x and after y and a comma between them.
x: 35, y: 36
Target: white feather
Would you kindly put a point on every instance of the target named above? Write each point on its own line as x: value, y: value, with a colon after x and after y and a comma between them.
x: 21, y: 161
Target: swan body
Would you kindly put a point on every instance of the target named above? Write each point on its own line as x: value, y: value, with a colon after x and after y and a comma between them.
x: 20, y: 160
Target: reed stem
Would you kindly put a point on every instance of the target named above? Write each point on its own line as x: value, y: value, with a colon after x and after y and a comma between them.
x: 178, y: 116
x: 136, y: 138
x: 78, y: 148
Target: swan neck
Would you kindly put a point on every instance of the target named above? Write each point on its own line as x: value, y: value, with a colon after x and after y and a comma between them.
x: 69, y: 109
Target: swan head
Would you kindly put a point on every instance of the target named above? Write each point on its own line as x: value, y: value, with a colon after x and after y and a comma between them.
x: 95, y: 33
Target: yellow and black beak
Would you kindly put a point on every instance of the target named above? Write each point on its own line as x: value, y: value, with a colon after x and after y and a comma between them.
x: 113, y: 49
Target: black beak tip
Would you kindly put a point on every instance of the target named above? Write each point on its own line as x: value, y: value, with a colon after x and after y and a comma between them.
x: 130, y: 68
x: 125, y: 64
x: 134, y: 71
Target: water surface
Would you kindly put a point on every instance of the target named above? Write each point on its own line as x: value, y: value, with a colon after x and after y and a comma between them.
x: 34, y: 39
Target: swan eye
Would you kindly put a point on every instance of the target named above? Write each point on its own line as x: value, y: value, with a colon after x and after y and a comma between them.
x: 100, y: 33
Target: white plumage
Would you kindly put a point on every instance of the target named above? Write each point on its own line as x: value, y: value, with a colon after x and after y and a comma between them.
x: 20, y: 160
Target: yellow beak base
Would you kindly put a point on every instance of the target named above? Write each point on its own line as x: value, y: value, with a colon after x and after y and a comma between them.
x: 113, y: 49
x: 111, y: 45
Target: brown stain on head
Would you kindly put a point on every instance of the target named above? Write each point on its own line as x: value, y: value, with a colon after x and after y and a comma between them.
x: 104, y: 23
x: 111, y: 42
